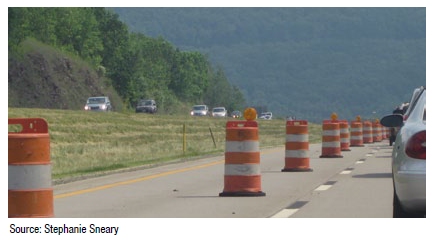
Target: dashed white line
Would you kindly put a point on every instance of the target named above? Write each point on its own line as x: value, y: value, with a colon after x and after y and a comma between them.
x: 323, y: 187
x: 290, y: 210
x: 360, y: 161
x: 285, y: 213
x: 347, y: 171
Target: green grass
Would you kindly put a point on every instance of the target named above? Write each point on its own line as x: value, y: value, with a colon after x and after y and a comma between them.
x: 94, y: 142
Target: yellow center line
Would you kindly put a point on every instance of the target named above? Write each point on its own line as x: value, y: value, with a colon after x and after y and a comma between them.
x: 136, y: 180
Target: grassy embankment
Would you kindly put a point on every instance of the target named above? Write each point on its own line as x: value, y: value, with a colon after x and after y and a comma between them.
x: 85, y: 143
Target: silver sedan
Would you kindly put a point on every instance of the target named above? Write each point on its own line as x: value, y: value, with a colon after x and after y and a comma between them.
x: 409, y: 160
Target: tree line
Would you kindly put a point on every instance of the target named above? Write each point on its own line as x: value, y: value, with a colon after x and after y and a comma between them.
x: 138, y: 66
x: 304, y: 62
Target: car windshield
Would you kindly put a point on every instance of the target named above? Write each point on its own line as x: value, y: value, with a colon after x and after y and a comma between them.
x: 199, y: 107
x: 416, y: 95
x: 218, y: 110
x: 96, y: 100
x: 418, y: 112
x: 146, y: 102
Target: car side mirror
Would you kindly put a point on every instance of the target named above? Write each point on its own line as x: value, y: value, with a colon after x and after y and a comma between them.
x: 394, y: 120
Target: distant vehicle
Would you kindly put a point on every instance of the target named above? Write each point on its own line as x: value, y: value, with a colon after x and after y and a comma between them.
x: 200, y: 110
x: 98, y: 104
x: 146, y: 106
x: 266, y: 116
x: 219, y: 112
x: 236, y: 114
x: 409, y: 159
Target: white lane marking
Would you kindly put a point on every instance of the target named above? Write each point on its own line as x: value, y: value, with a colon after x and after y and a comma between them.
x: 346, y: 172
x: 323, y: 187
x: 285, y: 213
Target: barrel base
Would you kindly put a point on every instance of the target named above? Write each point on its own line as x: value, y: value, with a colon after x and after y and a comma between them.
x: 241, y: 194
x: 297, y: 170
x: 331, y: 156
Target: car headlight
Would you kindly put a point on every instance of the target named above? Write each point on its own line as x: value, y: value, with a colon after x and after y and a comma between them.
x: 103, y: 106
x: 86, y: 107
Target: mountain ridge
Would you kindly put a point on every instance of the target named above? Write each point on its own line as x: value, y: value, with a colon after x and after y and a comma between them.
x: 303, y: 62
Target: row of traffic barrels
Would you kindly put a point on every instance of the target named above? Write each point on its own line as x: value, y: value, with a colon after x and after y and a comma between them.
x: 242, y: 175
x: 30, y: 192
x: 340, y: 135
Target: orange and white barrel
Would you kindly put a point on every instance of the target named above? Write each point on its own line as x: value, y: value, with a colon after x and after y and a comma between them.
x: 367, y: 132
x: 30, y: 192
x: 356, y: 138
x: 376, y: 132
x: 297, y: 147
x: 331, y: 146
x: 385, y: 132
x: 242, y: 160
x: 344, y: 135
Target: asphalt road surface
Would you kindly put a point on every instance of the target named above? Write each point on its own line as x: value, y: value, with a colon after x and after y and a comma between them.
x: 358, y: 185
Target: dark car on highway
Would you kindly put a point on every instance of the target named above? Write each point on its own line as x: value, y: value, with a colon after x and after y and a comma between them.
x: 236, y: 114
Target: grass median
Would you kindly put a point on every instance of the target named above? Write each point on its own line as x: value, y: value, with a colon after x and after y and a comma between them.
x: 87, y: 143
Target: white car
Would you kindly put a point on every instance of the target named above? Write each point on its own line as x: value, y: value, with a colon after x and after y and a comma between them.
x: 266, y: 116
x: 200, y: 110
x: 219, y: 112
x: 409, y: 160
x: 98, y: 104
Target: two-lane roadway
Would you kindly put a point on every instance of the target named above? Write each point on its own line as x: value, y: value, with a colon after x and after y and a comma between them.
x: 359, y: 185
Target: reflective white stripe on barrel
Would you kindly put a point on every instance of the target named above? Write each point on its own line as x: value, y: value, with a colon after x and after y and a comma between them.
x: 241, y: 146
x: 356, y: 129
x: 331, y: 144
x: 331, y: 132
x: 356, y: 137
x: 297, y: 153
x: 30, y: 177
x: 344, y: 140
x: 297, y: 138
x: 242, y: 169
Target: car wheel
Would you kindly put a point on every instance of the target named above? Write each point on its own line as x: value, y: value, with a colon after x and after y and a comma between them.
x: 399, y: 212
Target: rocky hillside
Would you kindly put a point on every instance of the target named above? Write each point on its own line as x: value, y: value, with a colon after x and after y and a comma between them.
x: 43, y: 77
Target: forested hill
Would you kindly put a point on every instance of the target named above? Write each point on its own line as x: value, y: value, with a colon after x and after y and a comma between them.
x: 58, y: 57
x: 303, y: 62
